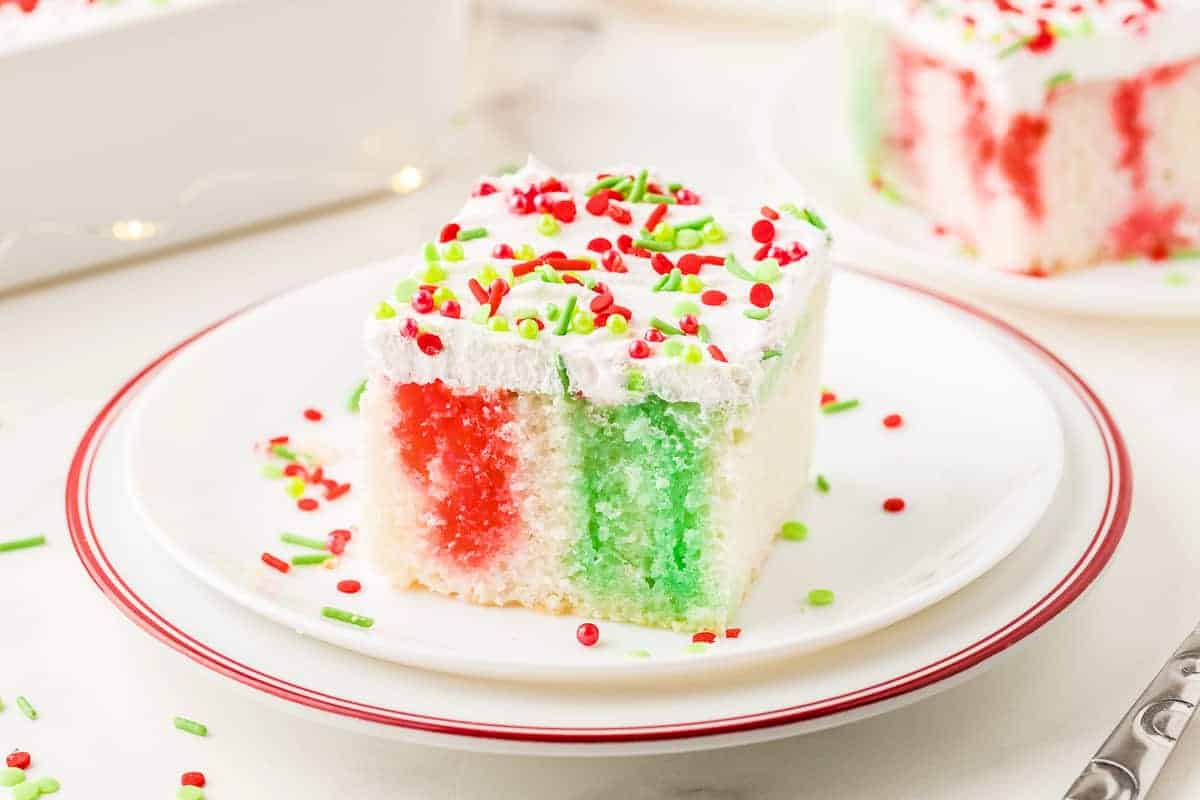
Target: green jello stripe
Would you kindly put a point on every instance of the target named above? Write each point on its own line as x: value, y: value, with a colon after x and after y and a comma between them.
x: 643, y: 498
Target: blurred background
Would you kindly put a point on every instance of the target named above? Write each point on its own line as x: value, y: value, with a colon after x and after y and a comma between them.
x: 136, y: 126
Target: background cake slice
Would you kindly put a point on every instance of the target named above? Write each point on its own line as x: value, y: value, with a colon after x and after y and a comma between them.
x: 596, y: 393
x: 1047, y: 136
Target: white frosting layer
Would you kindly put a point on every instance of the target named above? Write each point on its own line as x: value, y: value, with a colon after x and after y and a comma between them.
x: 1103, y: 40
x: 598, y: 364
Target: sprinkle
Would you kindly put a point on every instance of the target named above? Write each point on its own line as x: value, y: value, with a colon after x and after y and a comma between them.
x: 26, y: 791
x: 767, y: 270
x: 688, y: 239
x: 693, y: 354
x: 714, y: 297
x: 453, y: 252
x: 757, y: 313
x: 769, y: 354
x: 48, y: 785
x: 295, y: 487
x: 583, y: 323
x: 650, y: 197
x: 893, y: 421
x: 429, y: 343
x: 431, y: 252
x: 735, y: 268
x: 733, y: 633
x: 303, y: 541
x: 820, y: 597
x: 190, y: 726
x: 838, y: 406
x: 639, y: 187
x: 707, y: 637
x: 694, y: 224
x: 827, y: 396
x: 566, y: 264
x: 619, y: 215
x: 192, y: 779
x: 616, y: 324
x: 665, y: 327
x: 761, y: 295
x: 1058, y: 79
x: 275, y: 563
x: 498, y: 324
x: 26, y: 708
x: 621, y: 188
x: 604, y: 183
x: 717, y: 354
x: 189, y: 793
x: 793, y: 531
x: 713, y: 233
x: 822, y: 484
x: 11, y: 776
x: 547, y: 225
x: 813, y: 218
x: 384, y: 311
x: 18, y: 758
x: 313, y: 415
x: 329, y: 612
x: 471, y: 233
x: 356, y: 396
x: 654, y: 245
x: 763, y: 231
x: 310, y: 559
x: 587, y: 634
x: 656, y: 216
x: 673, y: 347
x: 564, y: 323
x: 21, y: 544
x: 893, y: 505
x: 639, y: 349
x: 691, y: 284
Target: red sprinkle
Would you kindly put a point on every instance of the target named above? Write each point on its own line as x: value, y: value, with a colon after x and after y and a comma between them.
x: 613, y: 262
x: 307, y: 504
x: 625, y: 243
x: 502, y: 251
x: 661, y: 264
x: 587, y: 634
x: 690, y: 264
x: 599, y: 245
x: 484, y: 189
x: 708, y: 637
x: 349, y: 586
x: 192, y: 779
x: 313, y: 415
x: 639, y: 349
x: 763, y: 231
x: 733, y: 633
x: 597, y: 205
x: 656, y: 216
x: 449, y: 232
x: 278, y: 440
x: 654, y: 335
x: 564, y: 211
x: 893, y: 505
x: 827, y: 398
x: 689, y: 324
x: 619, y: 215
x: 761, y: 295
x: 716, y: 353
x: 762, y: 252
x: 686, y: 197
x: 524, y: 268
x: 893, y: 421
x: 622, y: 311
x: 293, y: 469
x: 769, y: 213
x: 336, y: 490
x: 18, y: 758
x: 601, y: 302
x: 429, y: 343
x: 341, y: 533
x: 270, y: 561
x: 452, y: 309
x: 409, y: 329
x: 422, y: 302
x: 713, y: 297
x: 496, y: 293
x: 564, y: 264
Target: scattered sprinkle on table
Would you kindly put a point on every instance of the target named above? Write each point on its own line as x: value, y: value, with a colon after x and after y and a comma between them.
x: 26, y: 791
x: 275, y: 562
x: 26, y: 708
x: 21, y: 544
x: 793, y: 531
x: 893, y: 505
x: 349, y: 586
x: 189, y: 793
x: 48, y: 785
x: 822, y: 484
x: 306, y: 504
x: 356, y: 396
x: 303, y: 541
x: 893, y: 421
x: 329, y: 612
x: 19, y: 759
x: 587, y: 634
x: 839, y: 406
x: 192, y: 779
x: 11, y: 776
x: 190, y: 726
x: 313, y: 415
x: 309, y: 559
x: 820, y: 597
x: 733, y: 633
x: 707, y: 637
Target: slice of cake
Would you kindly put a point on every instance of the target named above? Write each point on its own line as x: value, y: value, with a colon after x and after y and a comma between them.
x: 595, y: 394
x: 1046, y: 135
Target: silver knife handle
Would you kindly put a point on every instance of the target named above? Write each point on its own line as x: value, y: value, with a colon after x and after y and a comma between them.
x: 1126, y: 765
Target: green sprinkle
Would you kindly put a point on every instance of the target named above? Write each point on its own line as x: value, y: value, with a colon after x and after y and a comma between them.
x: 769, y: 354
x: 487, y: 274
x: 190, y: 726
x: 552, y: 312
x: 527, y: 329
x: 814, y: 218
x: 654, y: 244
x: 564, y: 324
x: 272, y: 471
x: 330, y: 612
x: 820, y: 597
x: 603, y: 183
x: 294, y: 487
x: 21, y: 544
x: 406, y: 288
x: 685, y: 307
x: 524, y: 252
x: 703, y: 334
x: 639, y: 653
x: 623, y: 186
x: 767, y: 271
x: 431, y: 252
x: 694, y: 224
x: 665, y: 327
x: 793, y: 531
x: 564, y: 377
x: 713, y: 233
x: 1185, y: 253
x: 549, y: 274
x: 736, y: 269
x: 673, y: 347
x: 303, y: 541
x: 26, y: 791
x: 11, y: 776
x: 688, y: 239
x: 441, y: 294
x: 1058, y: 79
x: 310, y: 559
x: 664, y: 232
x: 697, y: 647
x: 471, y: 233
x: 674, y: 187
x: 757, y: 313
x: 1015, y: 47
x: 583, y: 323
x: 356, y: 396
x: 693, y: 354
x: 674, y: 278
x: 650, y: 197
x: 547, y: 225
x: 1176, y: 278
x: 498, y: 324
x: 26, y: 708
x: 384, y: 311
x: 635, y: 381
x: 453, y: 252
x: 480, y: 315
x: 692, y: 284
x: 822, y: 484
x: 49, y: 785
x: 189, y: 793
x: 839, y: 406
x: 662, y: 283
x: 616, y: 324
x: 433, y: 272
x: 283, y: 452
x: 639, y: 187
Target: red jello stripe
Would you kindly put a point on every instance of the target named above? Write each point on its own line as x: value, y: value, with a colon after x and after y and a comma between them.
x: 1019, y: 160
x: 455, y: 447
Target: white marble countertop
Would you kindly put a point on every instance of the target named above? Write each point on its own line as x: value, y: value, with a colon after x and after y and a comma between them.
x: 106, y: 691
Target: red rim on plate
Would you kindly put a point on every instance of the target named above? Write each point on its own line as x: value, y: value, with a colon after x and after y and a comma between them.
x: 1070, y: 586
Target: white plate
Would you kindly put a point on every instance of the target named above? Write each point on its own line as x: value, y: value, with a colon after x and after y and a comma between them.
x: 918, y: 656
x: 196, y: 478
x: 808, y: 143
